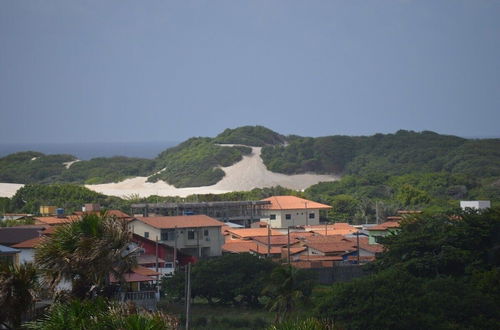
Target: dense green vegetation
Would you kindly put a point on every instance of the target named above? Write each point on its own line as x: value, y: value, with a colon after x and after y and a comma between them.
x: 102, y: 170
x: 35, y: 167
x: 355, y: 198
x: 196, y: 162
x: 29, y: 198
x: 391, y: 154
x: 32, y: 167
x: 100, y: 314
x: 256, y: 136
x: 235, y: 279
x: 441, y: 271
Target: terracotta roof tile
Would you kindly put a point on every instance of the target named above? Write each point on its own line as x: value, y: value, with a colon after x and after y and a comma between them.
x: 321, y: 258
x: 293, y: 203
x: 385, y: 226
x: 57, y: 220
x: 184, y: 221
x: 251, y: 232
x: 145, y: 271
x: 339, y: 228
x: 239, y: 246
x: 263, y: 250
x: 29, y: 244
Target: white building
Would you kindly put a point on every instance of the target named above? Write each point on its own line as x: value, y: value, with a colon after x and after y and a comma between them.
x: 196, y: 235
x: 291, y: 211
x: 476, y: 205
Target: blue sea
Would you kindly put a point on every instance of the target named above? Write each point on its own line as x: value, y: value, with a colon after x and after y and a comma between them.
x: 85, y: 151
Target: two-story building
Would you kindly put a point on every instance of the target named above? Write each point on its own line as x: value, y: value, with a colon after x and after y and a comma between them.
x: 196, y: 235
x: 292, y: 211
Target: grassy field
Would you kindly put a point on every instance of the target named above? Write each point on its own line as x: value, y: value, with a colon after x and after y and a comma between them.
x: 214, y: 317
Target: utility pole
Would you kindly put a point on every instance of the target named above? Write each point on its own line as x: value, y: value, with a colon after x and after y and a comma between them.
x: 307, y: 215
x: 376, y: 211
x: 288, y: 246
x: 157, y: 276
x: 268, y: 240
x: 357, y: 240
x: 188, y: 294
x: 175, y: 249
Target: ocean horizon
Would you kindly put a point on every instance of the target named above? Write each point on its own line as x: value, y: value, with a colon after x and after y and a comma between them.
x: 89, y: 150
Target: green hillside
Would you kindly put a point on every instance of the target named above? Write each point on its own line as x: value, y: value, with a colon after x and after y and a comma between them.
x: 32, y: 167
x: 255, y: 136
x: 197, y: 161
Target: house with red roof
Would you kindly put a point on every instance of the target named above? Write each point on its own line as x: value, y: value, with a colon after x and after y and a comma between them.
x: 292, y: 211
x: 382, y: 230
x: 196, y: 235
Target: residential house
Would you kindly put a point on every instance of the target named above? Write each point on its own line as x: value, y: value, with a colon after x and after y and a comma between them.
x: 195, y: 235
x: 292, y: 211
x: 13, y: 235
x: 382, y: 230
x: 9, y: 255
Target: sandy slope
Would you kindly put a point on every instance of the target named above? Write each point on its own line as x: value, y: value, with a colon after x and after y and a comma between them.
x: 9, y: 189
x: 247, y: 174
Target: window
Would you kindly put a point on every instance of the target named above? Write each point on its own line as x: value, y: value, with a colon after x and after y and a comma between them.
x: 191, y: 234
x: 311, y: 215
x: 168, y: 235
x: 272, y: 216
x: 288, y: 216
x: 146, y: 234
x: 205, y: 232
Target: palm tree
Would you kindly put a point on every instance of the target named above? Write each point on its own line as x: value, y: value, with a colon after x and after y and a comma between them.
x: 18, y: 284
x: 86, y: 253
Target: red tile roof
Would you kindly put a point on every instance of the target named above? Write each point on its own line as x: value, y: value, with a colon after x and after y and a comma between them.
x: 385, y: 226
x: 251, y: 232
x: 184, y: 221
x: 29, y: 244
x: 341, y: 247
x: 239, y: 246
x: 132, y: 277
x: 263, y: 250
x: 145, y: 271
x: 321, y: 258
x: 113, y: 213
x: 293, y: 203
x: 339, y: 228
x: 56, y: 220
x: 363, y: 244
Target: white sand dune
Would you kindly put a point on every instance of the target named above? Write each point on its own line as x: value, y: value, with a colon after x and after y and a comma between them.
x: 9, y: 189
x: 247, y: 174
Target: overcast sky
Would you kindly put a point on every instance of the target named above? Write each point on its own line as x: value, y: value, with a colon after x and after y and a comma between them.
x: 82, y: 71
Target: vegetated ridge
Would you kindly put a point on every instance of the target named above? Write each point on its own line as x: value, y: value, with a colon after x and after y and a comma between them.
x: 197, y: 161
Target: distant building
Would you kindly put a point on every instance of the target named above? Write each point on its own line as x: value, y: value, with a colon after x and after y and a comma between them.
x: 292, y: 211
x: 476, y: 205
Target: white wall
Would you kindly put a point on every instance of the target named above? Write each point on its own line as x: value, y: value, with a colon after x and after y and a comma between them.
x: 478, y: 205
x: 299, y: 217
x: 26, y: 255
